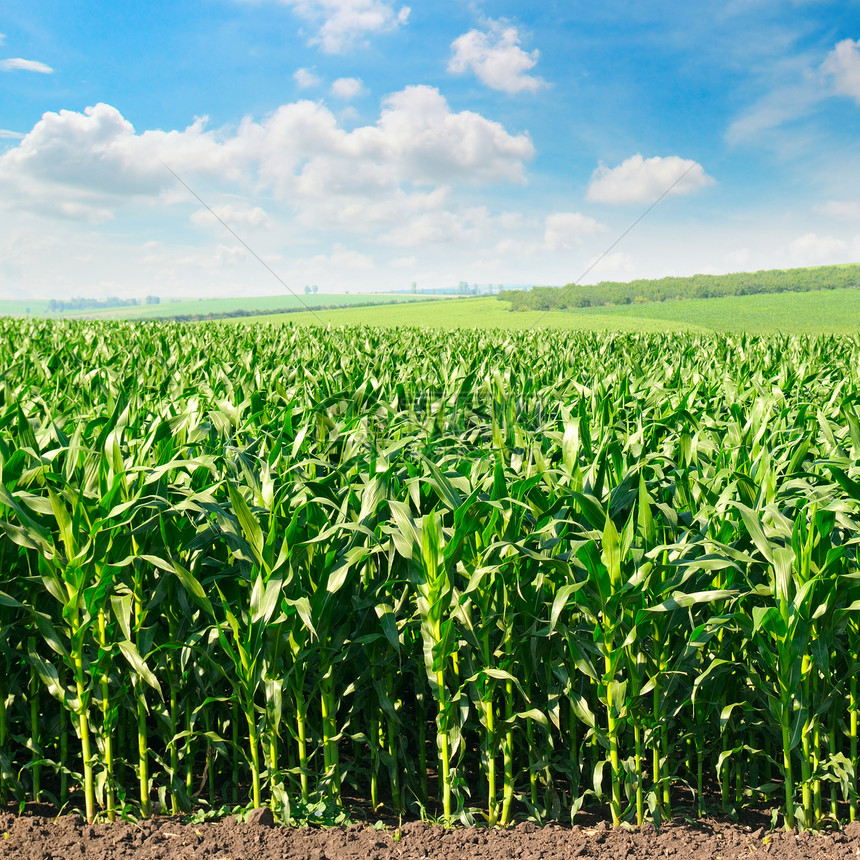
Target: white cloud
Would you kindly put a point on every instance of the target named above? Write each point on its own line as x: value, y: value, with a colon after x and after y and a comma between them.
x: 342, y: 23
x: 434, y: 144
x: 566, y: 230
x: 347, y: 258
x: 496, y: 59
x: 233, y: 215
x: 14, y: 135
x: 17, y: 64
x: 347, y: 88
x: 613, y: 267
x: 306, y: 79
x: 504, y: 236
x: 227, y: 255
x: 340, y: 263
x: 640, y: 180
x: 779, y: 107
x: 841, y: 210
x: 811, y: 249
x: 417, y: 141
x: 843, y: 64
x: 797, y: 83
x: 466, y: 228
x: 74, y: 163
x: 76, y: 211
x: 214, y: 260
x: 739, y: 259
x: 399, y: 167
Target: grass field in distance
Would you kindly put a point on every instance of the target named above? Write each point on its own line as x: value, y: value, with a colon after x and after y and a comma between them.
x: 482, y: 313
x: 193, y: 307
x: 828, y: 312
x: 820, y: 312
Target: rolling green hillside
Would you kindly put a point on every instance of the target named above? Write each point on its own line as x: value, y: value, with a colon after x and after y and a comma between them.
x: 822, y: 311
x: 481, y: 313
x: 829, y: 312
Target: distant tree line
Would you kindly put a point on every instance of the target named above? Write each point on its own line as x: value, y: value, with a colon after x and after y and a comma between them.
x: 81, y: 304
x: 574, y: 296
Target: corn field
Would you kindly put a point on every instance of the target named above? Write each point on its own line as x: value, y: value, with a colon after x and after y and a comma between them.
x: 467, y: 575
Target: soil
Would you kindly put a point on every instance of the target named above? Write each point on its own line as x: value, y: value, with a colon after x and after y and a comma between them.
x: 38, y: 834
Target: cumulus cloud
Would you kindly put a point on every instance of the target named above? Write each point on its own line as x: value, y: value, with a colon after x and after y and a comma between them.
x: 434, y: 144
x: 811, y: 249
x: 227, y: 255
x: 84, y: 164
x: 215, y: 259
x: 341, y: 263
x: 640, y: 180
x: 347, y: 88
x: 469, y: 227
x: 400, y: 166
x: 306, y: 79
x: 496, y: 59
x: 233, y: 215
x: 72, y: 210
x: 843, y: 64
x: 842, y: 210
x: 346, y: 258
x: 17, y: 64
x: 343, y: 23
x: 504, y: 235
x: 417, y: 141
x: 739, y: 259
x: 566, y: 230
x: 618, y: 266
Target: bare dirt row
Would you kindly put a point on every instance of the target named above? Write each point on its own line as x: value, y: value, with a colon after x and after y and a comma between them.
x: 38, y: 835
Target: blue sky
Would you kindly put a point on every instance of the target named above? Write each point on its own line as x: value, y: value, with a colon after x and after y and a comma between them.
x: 367, y: 144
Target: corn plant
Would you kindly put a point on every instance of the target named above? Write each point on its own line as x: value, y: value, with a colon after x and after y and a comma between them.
x: 299, y: 565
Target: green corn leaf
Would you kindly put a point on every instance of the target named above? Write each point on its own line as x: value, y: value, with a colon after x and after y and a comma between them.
x: 560, y: 601
x: 756, y: 532
x: 131, y: 654
x: 611, y: 555
x: 188, y: 580
x: 248, y: 523
x: 444, y: 487
x: 265, y: 599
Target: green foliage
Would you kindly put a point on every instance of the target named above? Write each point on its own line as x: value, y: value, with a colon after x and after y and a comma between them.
x: 469, y: 575
x: 575, y: 296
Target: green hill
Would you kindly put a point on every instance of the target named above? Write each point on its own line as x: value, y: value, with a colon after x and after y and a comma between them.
x: 831, y: 312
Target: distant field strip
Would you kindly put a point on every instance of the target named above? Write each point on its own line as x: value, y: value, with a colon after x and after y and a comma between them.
x: 826, y: 312
x: 481, y: 313
x: 821, y: 312
x: 836, y: 311
x: 261, y: 304
x: 202, y: 307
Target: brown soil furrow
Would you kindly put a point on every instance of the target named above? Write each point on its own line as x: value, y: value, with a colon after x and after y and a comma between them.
x: 35, y: 836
